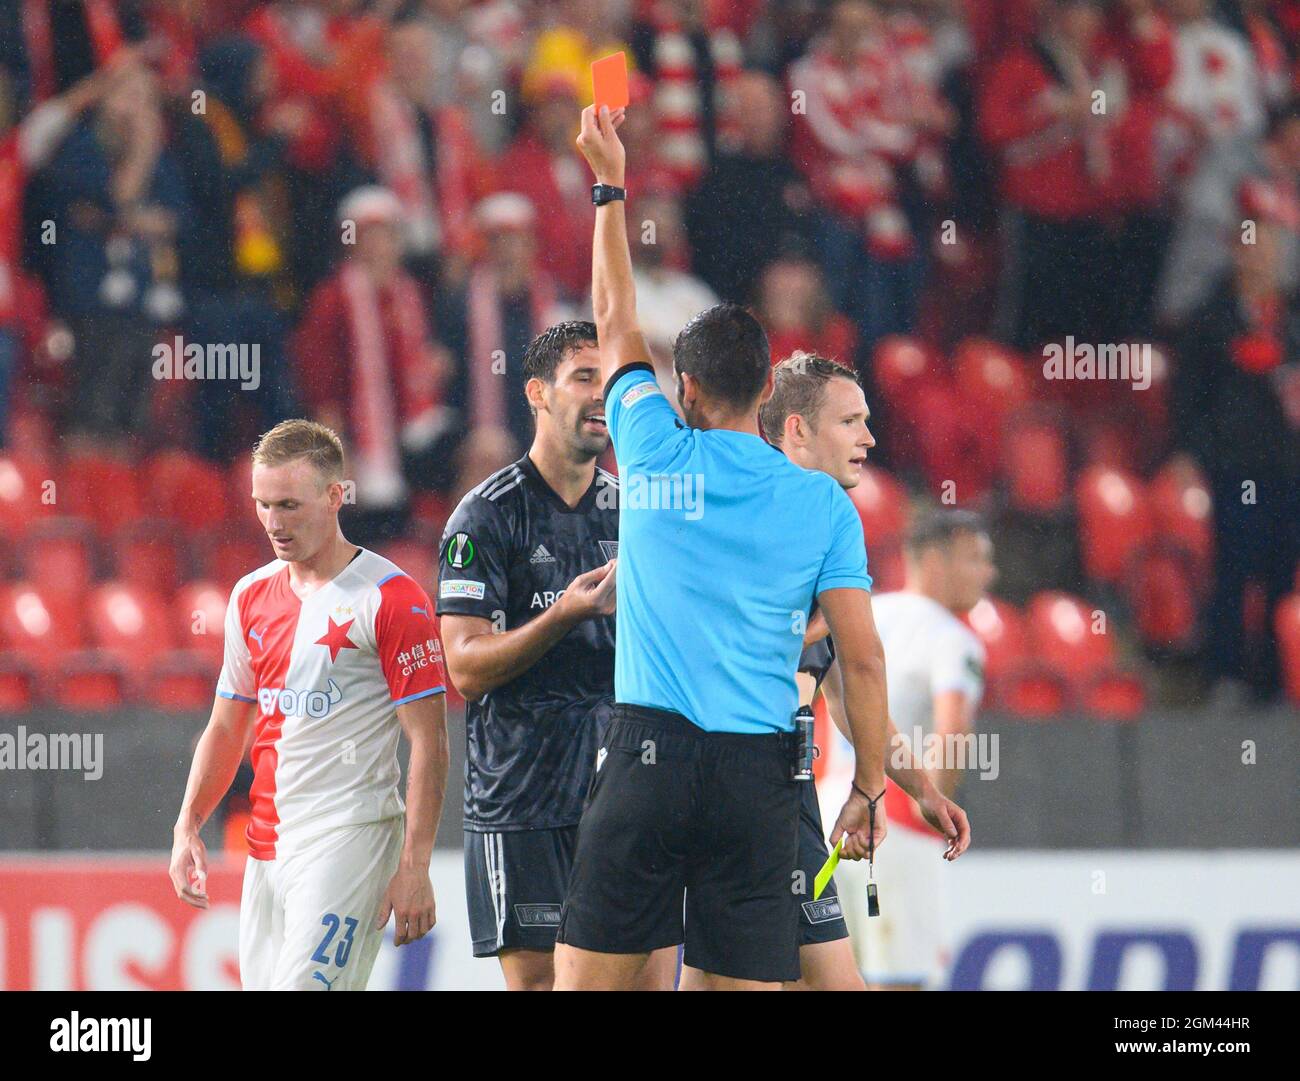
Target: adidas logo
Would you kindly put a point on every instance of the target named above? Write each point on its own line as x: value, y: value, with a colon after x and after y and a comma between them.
x: 541, y: 555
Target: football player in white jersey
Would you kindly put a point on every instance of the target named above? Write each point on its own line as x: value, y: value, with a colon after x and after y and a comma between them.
x: 817, y: 415
x: 934, y: 668
x: 330, y: 654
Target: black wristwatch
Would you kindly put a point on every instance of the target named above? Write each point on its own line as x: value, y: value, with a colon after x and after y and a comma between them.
x: 606, y: 193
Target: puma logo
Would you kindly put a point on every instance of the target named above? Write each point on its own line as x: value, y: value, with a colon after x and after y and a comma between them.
x: 329, y: 984
x: 257, y: 636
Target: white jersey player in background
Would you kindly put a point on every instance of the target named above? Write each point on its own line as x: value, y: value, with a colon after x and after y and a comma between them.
x: 330, y: 652
x: 934, y: 667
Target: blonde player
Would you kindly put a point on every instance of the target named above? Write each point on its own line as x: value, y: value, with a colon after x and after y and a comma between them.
x: 934, y: 668
x: 817, y: 415
x: 330, y: 653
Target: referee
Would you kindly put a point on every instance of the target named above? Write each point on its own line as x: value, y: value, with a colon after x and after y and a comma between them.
x: 689, y: 833
x: 526, y: 599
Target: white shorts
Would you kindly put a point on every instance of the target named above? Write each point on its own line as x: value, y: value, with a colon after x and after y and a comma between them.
x: 906, y: 943
x: 306, y: 920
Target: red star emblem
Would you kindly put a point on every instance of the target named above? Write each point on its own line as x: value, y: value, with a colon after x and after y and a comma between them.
x: 337, y: 638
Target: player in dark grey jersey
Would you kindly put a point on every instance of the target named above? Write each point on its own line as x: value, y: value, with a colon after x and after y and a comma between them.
x: 818, y: 416
x: 526, y: 599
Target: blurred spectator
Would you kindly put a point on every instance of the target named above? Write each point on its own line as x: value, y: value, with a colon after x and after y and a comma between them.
x: 581, y: 31
x: 796, y: 313
x: 544, y: 165
x: 369, y: 368
x: 1216, y: 86
x: 509, y: 300
x: 120, y: 208
x: 478, y: 51
x: 752, y: 201
x: 692, y: 54
x: 235, y: 269
x: 49, y: 45
x: 1039, y: 113
x: 1236, y: 401
x: 859, y: 119
x: 425, y: 153
x: 24, y: 149
x: 668, y: 296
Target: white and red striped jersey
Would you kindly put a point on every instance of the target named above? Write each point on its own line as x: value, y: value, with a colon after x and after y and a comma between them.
x: 326, y: 675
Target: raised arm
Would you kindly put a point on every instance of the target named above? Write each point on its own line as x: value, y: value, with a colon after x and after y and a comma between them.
x: 613, y: 294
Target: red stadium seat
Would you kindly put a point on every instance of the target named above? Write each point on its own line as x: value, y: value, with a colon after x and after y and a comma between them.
x: 88, y: 681
x: 1286, y: 624
x: 184, y: 489
x: 990, y: 377
x: 882, y: 506
x: 1036, y: 462
x: 128, y: 623
x: 17, y: 685
x: 239, y: 489
x: 147, y: 554
x: 58, y: 556
x: 1114, y: 520
x: 1070, y: 636
x: 20, y: 495
x: 1001, y: 627
x: 38, y: 626
x: 431, y: 511
x: 901, y: 365
x: 1113, y: 695
x: 233, y: 556
x: 1162, y: 591
x: 957, y: 451
x: 1183, y: 509
x: 1033, y: 691
x: 104, y: 491
x: 199, y: 613
x: 181, y: 680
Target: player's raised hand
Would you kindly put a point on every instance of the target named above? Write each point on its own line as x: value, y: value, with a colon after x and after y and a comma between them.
x: 409, y: 900
x: 189, y: 869
x: 600, y: 145
x: 854, y: 825
x: 591, y: 594
x: 950, y: 820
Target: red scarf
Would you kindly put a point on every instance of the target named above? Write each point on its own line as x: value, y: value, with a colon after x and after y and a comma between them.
x: 487, y: 403
x: 101, y: 23
x: 385, y: 380
x: 12, y: 177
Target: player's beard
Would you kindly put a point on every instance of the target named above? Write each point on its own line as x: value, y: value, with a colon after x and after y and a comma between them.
x: 589, y: 442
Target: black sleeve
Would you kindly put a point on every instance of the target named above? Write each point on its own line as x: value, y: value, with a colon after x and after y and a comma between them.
x: 817, y: 659
x: 474, y: 560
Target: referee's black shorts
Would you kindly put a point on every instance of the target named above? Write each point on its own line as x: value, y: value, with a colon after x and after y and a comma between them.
x: 676, y: 814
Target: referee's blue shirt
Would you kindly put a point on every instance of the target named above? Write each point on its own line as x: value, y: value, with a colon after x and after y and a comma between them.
x: 723, y: 545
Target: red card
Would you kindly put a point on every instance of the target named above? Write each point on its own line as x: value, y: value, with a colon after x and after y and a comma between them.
x: 609, y: 81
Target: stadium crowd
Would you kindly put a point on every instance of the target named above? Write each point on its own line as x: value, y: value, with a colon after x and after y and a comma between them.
x: 382, y: 203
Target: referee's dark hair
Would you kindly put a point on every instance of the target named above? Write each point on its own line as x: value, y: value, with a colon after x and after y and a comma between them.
x: 799, y: 387
x: 544, y: 354
x: 938, y: 529
x: 726, y: 349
